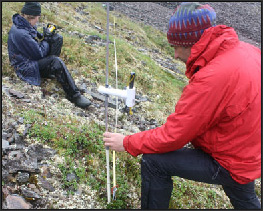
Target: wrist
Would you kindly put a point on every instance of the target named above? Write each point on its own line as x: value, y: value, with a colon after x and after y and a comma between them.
x: 125, y: 143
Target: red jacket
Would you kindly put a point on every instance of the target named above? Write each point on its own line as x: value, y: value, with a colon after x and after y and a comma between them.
x: 219, y: 110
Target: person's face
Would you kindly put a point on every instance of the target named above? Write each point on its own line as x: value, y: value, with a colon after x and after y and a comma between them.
x: 34, y: 21
x: 182, y: 53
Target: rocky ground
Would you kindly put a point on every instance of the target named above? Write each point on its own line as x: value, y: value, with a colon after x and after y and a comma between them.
x: 244, y: 17
x: 30, y: 179
x: 25, y: 161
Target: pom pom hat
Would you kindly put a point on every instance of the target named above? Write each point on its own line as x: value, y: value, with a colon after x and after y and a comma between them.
x: 188, y: 23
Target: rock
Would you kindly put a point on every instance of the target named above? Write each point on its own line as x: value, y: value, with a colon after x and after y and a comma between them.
x: 5, y: 144
x: 26, y: 129
x: 4, y: 135
x: 153, y: 122
x: 16, y: 94
x: 81, y: 113
x: 29, y: 194
x: 5, y: 175
x: 71, y: 177
x: 9, y: 134
x: 5, y: 192
x: 91, y: 39
x: 15, y: 155
x: 97, y: 96
x: 40, y: 152
x: 22, y: 177
x: 26, y: 100
x: 16, y: 202
x: 5, y: 89
x: 45, y: 184
x: 98, y: 28
x: 32, y: 186
x: 21, y: 120
x: 79, y: 191
x: 83, y: 88
x: 14, y: 166
x: 18, y: 138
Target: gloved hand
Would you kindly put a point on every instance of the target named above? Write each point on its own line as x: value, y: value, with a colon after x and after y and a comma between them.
x: 40, y: 36
x: 47, y: 35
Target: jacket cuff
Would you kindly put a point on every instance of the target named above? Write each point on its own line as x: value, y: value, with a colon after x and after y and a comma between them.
x: 126, y: 143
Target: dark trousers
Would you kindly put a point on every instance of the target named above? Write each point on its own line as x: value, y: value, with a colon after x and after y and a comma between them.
x: 192, y: 164
x: 54, y: 66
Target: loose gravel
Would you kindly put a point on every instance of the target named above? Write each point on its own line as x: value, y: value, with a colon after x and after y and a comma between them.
x: 244, y: 17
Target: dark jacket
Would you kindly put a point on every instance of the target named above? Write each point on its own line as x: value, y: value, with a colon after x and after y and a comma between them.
x: 24, y: 50
x: 219, y: 110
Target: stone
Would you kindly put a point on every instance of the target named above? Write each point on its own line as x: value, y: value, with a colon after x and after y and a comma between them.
x: 45, y: 184
x: 26, y: 100
x: 19, y: 141
x: 40, y: 152
x: 6, y: 90
x: 29, y: 194
x: 15, y: 155
x: 91, y: 38
x: 22, y: 177
x: 16, y: 94
x: 5, y: 191
x: 5, y: 175
x: 5, y: 144
x: 32, y: 186
x: 100, y: 97
x: 26, y: 129
x: 16, y: 202
x: 14, y: 166
x: 4, y: 135
x: 71, y: 177
x: 83, y: 88
x: 21, y: 120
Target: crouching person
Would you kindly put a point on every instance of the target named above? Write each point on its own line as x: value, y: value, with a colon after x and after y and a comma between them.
x: 35, y: 56
x: 219, y: 112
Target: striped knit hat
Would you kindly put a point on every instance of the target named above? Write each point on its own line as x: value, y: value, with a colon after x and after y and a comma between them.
x: 188, y: 23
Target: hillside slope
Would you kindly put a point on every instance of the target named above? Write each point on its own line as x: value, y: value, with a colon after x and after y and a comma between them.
x: 52, y: 151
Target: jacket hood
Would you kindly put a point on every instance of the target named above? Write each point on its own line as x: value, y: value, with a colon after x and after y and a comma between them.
x: 22, y: 23
x: 214, y: 41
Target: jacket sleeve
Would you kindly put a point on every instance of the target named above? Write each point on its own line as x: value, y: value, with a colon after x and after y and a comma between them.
x: 196, y: 111
x: 30, y: 47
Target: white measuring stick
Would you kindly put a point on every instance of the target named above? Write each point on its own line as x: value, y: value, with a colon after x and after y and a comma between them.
x: 116, y: 117
x: 106, y: 110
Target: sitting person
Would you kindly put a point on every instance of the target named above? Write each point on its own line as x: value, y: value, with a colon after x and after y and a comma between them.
x: 35, y: 56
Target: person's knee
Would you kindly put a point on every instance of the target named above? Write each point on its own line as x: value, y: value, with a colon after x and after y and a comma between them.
x: 149, y: 161
x: 56, y: 62
x: 57, y: 65
x: 148, y: 158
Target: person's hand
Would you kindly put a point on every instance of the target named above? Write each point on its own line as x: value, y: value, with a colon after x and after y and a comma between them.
x: 114, y: 141
x: 40, y: 36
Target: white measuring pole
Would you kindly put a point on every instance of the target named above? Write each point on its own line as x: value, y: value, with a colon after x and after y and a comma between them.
x: 106, y: 109
x: 116, y: 116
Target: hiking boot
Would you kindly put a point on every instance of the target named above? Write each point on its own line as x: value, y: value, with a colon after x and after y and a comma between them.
x: 81, y: 102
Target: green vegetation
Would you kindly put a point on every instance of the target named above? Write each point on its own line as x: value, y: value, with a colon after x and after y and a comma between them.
x: 84, y: 155
x: 80, y: 141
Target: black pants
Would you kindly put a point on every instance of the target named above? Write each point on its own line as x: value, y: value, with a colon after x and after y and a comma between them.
x: 192, y: 164
x: 53, y: 65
